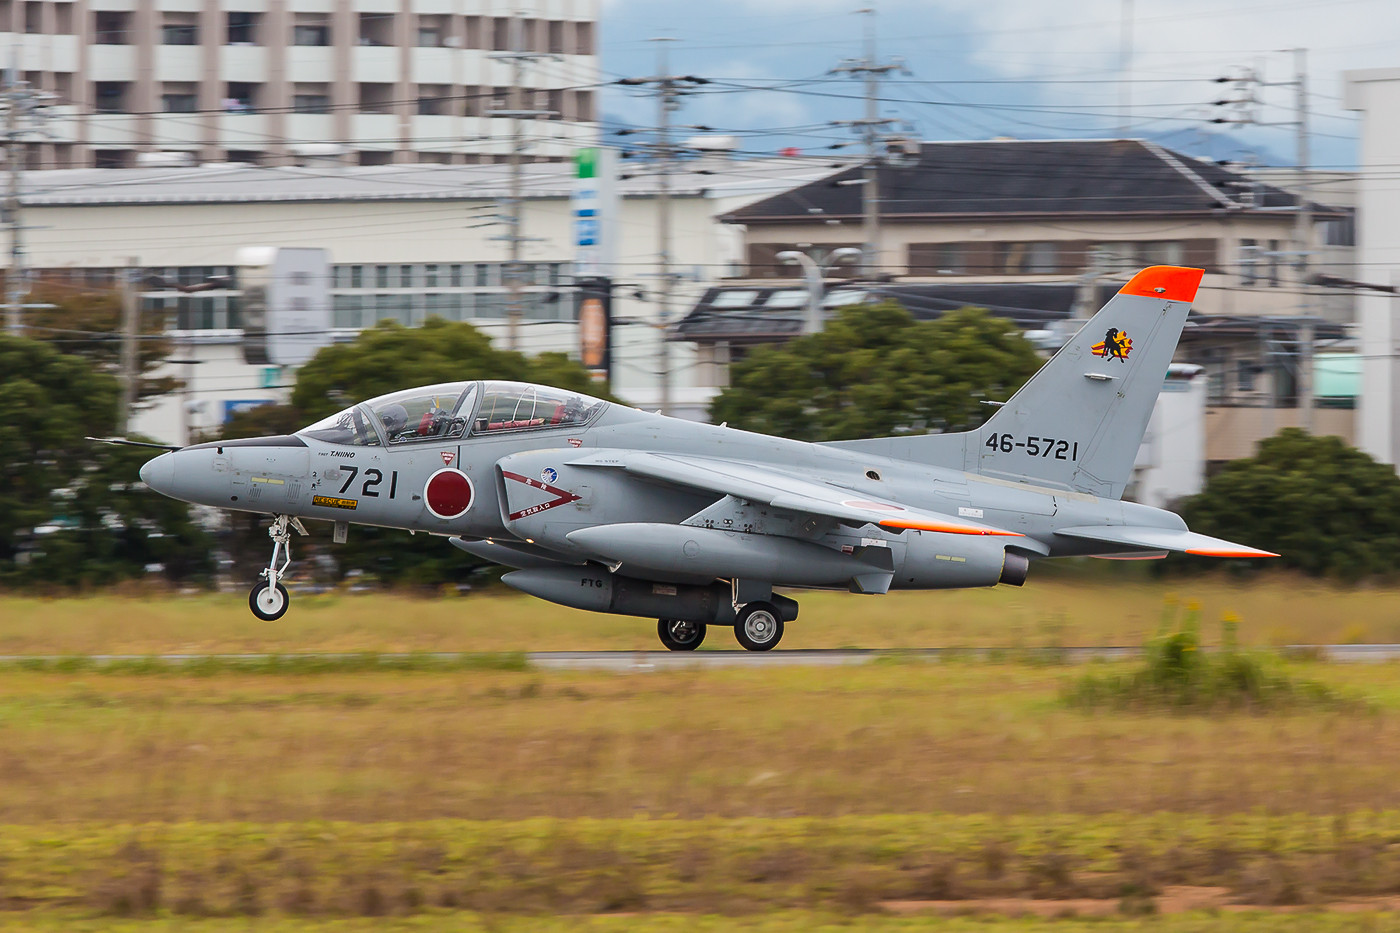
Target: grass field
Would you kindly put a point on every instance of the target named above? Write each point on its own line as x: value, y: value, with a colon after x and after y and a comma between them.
x: 754, y: 794
x: 1089, y: 605
x: 892, y: 796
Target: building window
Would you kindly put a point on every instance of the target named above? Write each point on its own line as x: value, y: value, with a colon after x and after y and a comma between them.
x: 357, y: 276
x: 179, y: 29
x: 405, y: 276
x: 432, y: 31
x: 430, y: 276
x: 110, y: 96
x: 1036, y: 258
x: 556, y: 37
x: 33, y: 18
x: 179, y: 102
x: 242, y: 28
x: 455, y: 279
x: 1249, y: 261
x: 63, y: 19
x: 111, y: 27
x: 311, y: 29
x: 381, y: 276
x: 1245, y: 375
x: 1273, y: 263
x: 347, y: 311
x: 377, y: 29
x: 376, y: 98
x: 240, y: 97
x: 311, y: 98
x: 433, y: 100
x: 583, y: 39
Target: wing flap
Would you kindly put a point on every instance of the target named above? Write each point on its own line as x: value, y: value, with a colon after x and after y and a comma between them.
x: 1164, y: 539
x: 780, y: 490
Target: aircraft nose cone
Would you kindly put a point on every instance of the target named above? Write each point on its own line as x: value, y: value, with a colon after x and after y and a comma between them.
x: 159, y: 473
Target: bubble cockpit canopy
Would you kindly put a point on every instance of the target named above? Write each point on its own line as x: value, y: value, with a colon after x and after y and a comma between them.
x: 444, y: 412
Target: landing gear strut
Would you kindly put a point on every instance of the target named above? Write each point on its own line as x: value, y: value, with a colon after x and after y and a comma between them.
x: 268, y: 599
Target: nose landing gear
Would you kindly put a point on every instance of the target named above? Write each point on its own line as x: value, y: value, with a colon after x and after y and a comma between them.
x: 268, y: 599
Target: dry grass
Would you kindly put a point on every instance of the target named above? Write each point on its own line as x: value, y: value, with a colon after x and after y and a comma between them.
x: 1058, y: 607
x: 776, y: 922
x: 892, y: 738
x: 422, y: 795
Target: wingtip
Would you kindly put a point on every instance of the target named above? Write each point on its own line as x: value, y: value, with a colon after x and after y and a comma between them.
x: 1173, y: 283
x: 1230, y: 552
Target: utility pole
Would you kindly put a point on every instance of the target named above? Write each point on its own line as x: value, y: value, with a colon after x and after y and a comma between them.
x: 1246, y: 105
x: 24, y: 108
x: 1307, y: 330
x: 869, y: 128
x: 131, y: 328
x: 669, y: 89
x: 519, y: 57
x: 1125, y: 59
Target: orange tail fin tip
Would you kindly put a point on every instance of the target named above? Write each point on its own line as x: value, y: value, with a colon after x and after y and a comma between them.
x: 1173, y: 283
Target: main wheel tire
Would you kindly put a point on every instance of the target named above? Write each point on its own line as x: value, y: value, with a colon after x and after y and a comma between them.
x: 680, y: 636
x: 759, y: 627
x: 267, y: 603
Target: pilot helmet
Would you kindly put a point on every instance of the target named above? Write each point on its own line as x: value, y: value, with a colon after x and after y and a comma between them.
x: 394, y: 417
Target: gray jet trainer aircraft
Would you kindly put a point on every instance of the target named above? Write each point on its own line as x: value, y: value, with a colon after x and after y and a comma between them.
x: 608, y: 508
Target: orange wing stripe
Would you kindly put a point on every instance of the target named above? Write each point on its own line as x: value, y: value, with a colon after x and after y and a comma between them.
x: 1210, y: 552
x: 1174, y: 283
x: 947, y: 529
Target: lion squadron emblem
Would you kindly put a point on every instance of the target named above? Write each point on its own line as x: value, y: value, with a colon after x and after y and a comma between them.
x: 1116, y: 345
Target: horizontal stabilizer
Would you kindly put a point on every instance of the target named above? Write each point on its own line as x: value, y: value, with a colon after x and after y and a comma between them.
x: 1163, y: 539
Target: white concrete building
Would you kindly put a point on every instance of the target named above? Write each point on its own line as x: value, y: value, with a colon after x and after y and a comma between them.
x: 406, y: 242
x: 1376, y: 93
x: 266, y: 80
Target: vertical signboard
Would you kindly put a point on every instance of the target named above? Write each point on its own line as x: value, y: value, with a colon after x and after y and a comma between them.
x: 286, y: 307
x: 594, y: 205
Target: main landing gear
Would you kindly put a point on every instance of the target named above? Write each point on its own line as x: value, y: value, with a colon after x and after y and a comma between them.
x: 680, y: 636
x: 758, y: 628
x: 268, y: 599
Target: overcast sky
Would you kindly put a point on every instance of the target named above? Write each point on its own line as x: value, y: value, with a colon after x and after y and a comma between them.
x: 1032, y: 69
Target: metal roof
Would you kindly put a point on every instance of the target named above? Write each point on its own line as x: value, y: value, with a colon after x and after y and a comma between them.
x: 999, y: 178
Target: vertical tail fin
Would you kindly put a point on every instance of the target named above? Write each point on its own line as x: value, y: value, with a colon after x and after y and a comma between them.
x: 1079, y: 421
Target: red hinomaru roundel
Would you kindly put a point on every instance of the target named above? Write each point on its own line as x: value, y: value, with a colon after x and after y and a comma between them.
x: 448, y: 493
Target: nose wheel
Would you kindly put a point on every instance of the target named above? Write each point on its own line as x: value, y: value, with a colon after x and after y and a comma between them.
x: 268, y: 603
x: 269, y: 599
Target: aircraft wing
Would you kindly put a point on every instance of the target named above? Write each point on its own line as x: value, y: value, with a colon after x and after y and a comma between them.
x: 758, y: 483
x: 1163, y: 539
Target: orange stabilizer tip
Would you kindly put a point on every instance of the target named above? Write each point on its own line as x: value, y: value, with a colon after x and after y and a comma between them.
x: 947, y: 529
x: 1221, y: 552
x: 1173, y: 283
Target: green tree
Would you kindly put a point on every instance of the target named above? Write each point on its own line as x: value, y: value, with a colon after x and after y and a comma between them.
x: 88, y: 323
x: 1325, y: 507
x: 71, y: 512
x: 383, y: 359
x: 876, y: 371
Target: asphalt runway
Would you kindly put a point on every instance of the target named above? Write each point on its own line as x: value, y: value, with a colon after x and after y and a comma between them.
x: 799, y: 657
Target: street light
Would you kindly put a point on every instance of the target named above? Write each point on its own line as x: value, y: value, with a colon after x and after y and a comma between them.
x: 815, y: 272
